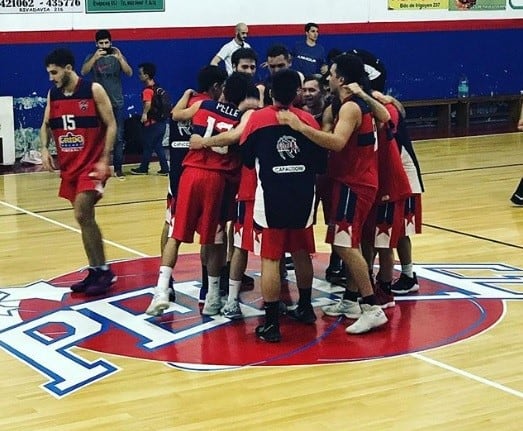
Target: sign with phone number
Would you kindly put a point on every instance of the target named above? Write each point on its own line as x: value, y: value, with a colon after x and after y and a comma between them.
x: 41, y: 6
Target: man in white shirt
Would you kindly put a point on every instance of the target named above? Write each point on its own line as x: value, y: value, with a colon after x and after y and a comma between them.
x: 226, y: 51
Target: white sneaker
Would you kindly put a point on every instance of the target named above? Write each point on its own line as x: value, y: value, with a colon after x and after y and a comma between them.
x: 343, y: 307
x: 232, y: 310
x: 372, y: 316
x: 159, y: 304
x: 213, y: 305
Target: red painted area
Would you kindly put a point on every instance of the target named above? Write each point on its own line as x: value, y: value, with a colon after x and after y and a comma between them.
x: 413, y: 325
x: 141, y: 34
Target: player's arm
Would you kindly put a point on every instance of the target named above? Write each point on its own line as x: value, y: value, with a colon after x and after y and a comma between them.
x: 327, y: 119
x: 89, y: 62
x: 224, y: 139
x: 349, y: 118
x: 180, y: 111
x: 105, y: 111
x: 47, y: 160
x: 385, y: 98
x: 379, y: 111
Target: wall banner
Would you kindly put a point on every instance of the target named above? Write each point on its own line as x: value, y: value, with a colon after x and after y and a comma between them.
x: 108, y: 6
x: 41, y: 6
x: 450, y: 5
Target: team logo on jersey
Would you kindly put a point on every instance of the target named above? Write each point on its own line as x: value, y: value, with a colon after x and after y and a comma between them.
x: 48, y: 328
x: 71, y: 142
x: 83, y: 104
x: 287, y: 147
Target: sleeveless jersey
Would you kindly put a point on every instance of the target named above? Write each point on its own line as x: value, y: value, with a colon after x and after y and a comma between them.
x: 211, y: 119
x: 286, y: 163
x: 78, y: 131
x: 356, y: 165
x: 179, y: 134
x: 393, y: 183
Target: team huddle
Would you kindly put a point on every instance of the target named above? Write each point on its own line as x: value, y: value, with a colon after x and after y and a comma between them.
x: 249, y: 164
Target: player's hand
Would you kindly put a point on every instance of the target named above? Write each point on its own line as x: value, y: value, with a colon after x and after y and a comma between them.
x: 196, y: 142
x: 354, y: 88
x: 382, y: 98
x: 289, y: 119
x: 47, y: 160
x: 101, y: 171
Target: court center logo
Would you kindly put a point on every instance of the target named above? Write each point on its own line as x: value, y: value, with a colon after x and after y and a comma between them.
x: 47, y: 327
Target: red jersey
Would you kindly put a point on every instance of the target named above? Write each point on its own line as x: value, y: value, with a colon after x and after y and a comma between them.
x: 211, y: 119
x: 393, y: 183
x: 356, y: 165
x: 78, y: 131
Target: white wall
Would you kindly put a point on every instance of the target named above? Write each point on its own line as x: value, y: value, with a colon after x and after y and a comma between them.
x: 203, y: 13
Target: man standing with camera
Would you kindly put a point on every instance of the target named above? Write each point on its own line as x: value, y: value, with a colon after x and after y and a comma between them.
x: 107, y: 64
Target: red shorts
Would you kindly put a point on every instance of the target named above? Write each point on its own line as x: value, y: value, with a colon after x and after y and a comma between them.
x: 349, y: 210
x: 274, y: 243
x: 82, y: 183
x: 243, y: 225
x: 200, y: 206
x: 412, y: 215
x: 384, y: 225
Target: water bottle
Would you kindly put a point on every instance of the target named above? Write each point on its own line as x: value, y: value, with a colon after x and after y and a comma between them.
x: 463, y: 87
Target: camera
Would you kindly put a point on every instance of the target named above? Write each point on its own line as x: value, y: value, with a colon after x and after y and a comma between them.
x: 109, y: 51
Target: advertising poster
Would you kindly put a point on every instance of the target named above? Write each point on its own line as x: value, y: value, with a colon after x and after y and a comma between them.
x: 418, y: 4
x: 473, y: 5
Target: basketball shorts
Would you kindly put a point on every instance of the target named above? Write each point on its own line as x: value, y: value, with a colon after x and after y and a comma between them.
x: 349, y: 211
x: 274, y: 243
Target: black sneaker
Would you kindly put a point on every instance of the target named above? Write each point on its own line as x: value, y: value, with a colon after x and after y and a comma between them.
x: 80, y: 286
x: 138, y: 171
x: 303, y: 314
x: 162, y: 173
x: 247, y: 283
x: 101, y: 283
x: 516, y: 199
x: 336, y: 276
x: 270, y: 333
x: 405, y: 285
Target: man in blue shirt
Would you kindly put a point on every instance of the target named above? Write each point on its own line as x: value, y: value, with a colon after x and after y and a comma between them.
x: 308, y: 55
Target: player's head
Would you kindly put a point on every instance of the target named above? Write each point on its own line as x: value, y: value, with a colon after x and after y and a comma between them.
x: 345, y: 68
x: 312, y: 91
x: 210, y: 80
x: 236, y: 88
x: 244, y: 60
x: 146, y: 71
x: 374, y: 68
x: 278, y: 58
x: 60, y: 65
x: 285, y: 86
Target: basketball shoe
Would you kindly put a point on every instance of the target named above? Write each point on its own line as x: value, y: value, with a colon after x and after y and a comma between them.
x: 159, y: 303
x: 371, y: 317
x: 405, y: 284
x: 343, y: 307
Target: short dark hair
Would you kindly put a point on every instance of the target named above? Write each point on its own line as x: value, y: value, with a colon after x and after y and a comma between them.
x: 316, y: 78
x: 210, y: 75
x: 236, y: 87
x: 102, y: 34
x: 285, y: 85
x: 148, y: 69
x: 241, y: 53
x: 61, y: 57
x: 278, y: 49
x: 350, y: 67
x: 309, y: 25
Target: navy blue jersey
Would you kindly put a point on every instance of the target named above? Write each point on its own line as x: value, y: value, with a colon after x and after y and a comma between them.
x: 286, y: 164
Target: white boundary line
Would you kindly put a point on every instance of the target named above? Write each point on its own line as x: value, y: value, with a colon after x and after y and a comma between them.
x: 414, y: 355
x: 73, y: 229
x: 468, y: 375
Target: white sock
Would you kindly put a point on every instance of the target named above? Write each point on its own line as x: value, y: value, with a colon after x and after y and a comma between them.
x: 164, y: 277
x: 407, y: 270
x: 234, y: 289
x: 214, y: 286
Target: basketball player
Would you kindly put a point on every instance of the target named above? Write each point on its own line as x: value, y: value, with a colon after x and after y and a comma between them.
x: 80, y: 118
x: 208, y: 174
x: 353, y: 169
